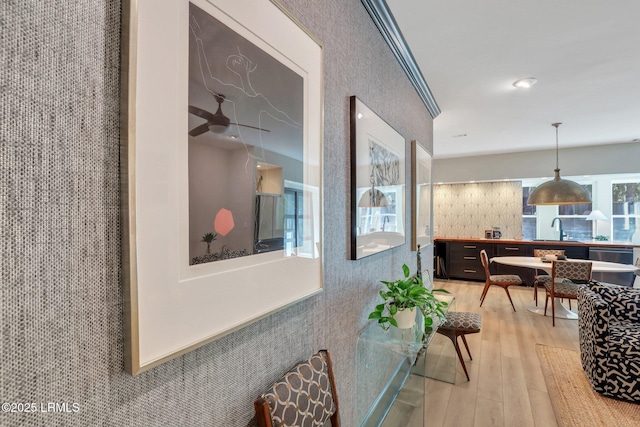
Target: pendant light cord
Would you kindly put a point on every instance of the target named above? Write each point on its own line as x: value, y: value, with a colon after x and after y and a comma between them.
x: 557, y: 125
x: 557, y: 155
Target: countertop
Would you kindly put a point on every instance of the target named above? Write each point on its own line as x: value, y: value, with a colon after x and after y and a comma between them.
x: 589, y: 243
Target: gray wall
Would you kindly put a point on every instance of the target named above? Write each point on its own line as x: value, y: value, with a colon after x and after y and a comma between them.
x: 593, y: 160
x: 61, y: 303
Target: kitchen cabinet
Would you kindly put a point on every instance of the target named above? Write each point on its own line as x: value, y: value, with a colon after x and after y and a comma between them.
x: 509, y: 249
x: 620, y: 255
x: 463, y: 259
x: 460, y: 258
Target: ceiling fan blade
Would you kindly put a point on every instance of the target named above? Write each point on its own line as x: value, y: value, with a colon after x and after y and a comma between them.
x: 199, y: 130
x: 251, y: 127
x: 201, y: 113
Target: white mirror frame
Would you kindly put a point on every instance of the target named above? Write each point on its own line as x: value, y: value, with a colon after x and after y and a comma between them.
x: 171, y: 307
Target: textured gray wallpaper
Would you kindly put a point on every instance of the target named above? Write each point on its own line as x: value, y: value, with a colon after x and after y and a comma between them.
x: 60, y: 289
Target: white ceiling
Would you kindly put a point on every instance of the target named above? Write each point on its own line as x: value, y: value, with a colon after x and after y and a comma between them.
x: 584, y: 53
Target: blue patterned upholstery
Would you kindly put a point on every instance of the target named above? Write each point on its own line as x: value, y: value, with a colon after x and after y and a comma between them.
x: 609, y: 328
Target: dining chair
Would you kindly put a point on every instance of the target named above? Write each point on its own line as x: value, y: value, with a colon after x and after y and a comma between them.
x: 458, y: 324
x: 542, y: 277
x: 566, y: 278
x: 304, y: 397
x: 502, y: 280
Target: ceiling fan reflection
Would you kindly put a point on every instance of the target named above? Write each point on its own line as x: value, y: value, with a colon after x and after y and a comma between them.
x: 217, y: 123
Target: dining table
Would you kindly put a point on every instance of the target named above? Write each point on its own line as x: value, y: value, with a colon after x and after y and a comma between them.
x: 537, y: 263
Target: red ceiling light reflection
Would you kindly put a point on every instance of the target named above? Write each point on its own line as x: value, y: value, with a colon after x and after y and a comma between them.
x: 223, y: 223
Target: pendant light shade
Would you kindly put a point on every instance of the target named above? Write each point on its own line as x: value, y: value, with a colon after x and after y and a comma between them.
x: 559, y: 191
x: 373, y: 198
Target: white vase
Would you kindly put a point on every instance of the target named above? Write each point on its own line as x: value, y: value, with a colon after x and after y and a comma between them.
x: 405, y: 317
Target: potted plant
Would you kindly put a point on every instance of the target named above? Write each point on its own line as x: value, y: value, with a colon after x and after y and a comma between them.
x: 401, y: 299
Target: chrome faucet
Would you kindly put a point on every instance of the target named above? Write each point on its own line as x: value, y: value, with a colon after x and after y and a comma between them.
x: 559, y: 222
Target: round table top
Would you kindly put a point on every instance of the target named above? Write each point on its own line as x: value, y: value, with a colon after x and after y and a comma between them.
x: 533, y: 262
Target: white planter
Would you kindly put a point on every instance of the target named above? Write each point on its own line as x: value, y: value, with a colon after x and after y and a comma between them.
x: 406, y: 318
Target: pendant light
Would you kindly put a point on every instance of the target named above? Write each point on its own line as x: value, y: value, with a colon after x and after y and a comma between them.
x: 559, y: 191
x: 373, y: 198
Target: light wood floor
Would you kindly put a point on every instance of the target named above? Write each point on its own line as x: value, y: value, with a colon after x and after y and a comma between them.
x: 506, y: 387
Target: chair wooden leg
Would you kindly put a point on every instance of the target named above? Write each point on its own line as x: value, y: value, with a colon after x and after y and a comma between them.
x: 451, y: 334
x: 569, y: 303
x: 506, y: 289
x: 464, y: 367
x: 535, y: 291
x: 553, y: 311
x: 464, y: 340
x: 546, y: 302
x: 484, y: 293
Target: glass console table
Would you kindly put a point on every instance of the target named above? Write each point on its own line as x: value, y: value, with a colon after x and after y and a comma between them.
x: 391, y: 367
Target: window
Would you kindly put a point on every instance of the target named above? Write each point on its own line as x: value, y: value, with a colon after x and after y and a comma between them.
x: 625, y: 210
x: 573, y: 218
x: 293, y: 218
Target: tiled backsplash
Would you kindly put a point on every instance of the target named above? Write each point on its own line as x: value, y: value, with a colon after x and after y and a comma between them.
x: 467, y: 210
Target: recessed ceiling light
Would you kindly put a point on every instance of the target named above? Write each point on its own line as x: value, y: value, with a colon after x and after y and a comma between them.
x: 360, y: 115
x: 525, y: 83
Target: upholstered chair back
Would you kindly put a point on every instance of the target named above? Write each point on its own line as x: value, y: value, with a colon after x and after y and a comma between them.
x: 623, y: 302
x: 304, y: 397
x: 576, y: 271
x: 485, y: 262
x: 539, y: 253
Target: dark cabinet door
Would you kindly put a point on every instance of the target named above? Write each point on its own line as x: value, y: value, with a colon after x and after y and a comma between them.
x: 526, y: 274
x: 464, y: 260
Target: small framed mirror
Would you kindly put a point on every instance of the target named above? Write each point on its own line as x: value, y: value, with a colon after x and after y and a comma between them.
x: 421, y: 219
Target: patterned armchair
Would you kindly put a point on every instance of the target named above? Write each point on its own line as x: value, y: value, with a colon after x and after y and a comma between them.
x: 304, y: 397
x: 609, y: 328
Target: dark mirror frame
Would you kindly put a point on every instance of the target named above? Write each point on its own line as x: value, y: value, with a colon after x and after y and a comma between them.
x: 385, y: 168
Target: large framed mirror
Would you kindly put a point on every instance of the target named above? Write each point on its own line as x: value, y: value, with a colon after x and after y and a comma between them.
x: 221, y: 171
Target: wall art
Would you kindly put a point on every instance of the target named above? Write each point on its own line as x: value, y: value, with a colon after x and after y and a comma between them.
x: 221, y: 170
x: 377, y: 183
